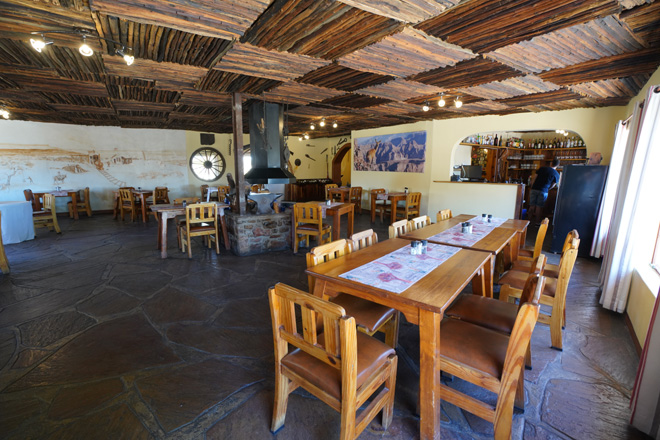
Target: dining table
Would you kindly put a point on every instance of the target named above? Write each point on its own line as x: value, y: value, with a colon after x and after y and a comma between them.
x: 164, y: 212
x: 17, y: 225
x: 336, y: 210
x: 486, y: 237
x: 344, y: 192
x: 393, y: 197
x: 71, y: 193
x: 143, y: 195
x: 419, y: 286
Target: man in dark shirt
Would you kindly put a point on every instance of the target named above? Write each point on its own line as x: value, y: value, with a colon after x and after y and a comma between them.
x: 544, y: 180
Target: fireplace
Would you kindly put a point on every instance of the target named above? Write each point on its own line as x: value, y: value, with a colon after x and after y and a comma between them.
x: 258, y: 233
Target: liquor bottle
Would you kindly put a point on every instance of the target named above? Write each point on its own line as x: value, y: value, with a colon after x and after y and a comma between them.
x: 496, y: 142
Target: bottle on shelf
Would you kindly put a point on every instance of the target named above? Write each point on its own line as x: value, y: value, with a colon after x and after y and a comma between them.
x: 496, y: 142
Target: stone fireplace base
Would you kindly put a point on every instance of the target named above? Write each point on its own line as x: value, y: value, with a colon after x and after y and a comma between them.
x: 255, y: 234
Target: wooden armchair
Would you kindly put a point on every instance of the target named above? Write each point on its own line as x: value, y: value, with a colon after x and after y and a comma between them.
x: 81, y: 203
x: 419, y: 222
x: 201, y: 221
x: 381, y: 207
x: 370, y: 317
x: 399, y: 228
x: 47, y: 216
x: 308, y: 222
x: 356, y: 198
x: 490, y: 360
x: 554, y: 292
x: 364, y: 239
x: 4, y: 262
x: 128, y: 203
x: 340, y: 366
x: 411, y: 207
x: 444, y: 214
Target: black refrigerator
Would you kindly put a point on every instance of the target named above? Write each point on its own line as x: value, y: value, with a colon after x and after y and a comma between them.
x: 578, y: 200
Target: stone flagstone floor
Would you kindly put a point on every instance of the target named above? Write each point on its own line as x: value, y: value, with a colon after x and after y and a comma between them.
x: 100, y: 338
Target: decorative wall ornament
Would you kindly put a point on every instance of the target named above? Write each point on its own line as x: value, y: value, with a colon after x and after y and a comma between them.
x: 401, y: 152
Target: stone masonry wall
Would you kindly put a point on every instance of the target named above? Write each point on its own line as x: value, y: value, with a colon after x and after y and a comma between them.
x: 256, y: 234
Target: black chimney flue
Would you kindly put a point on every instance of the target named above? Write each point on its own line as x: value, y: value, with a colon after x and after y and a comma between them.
x: 267, y: 146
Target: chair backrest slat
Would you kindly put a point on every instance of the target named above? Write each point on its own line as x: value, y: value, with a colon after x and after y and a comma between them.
x: 399, y: 228
x: 364, y: 239
x: 419, y: 222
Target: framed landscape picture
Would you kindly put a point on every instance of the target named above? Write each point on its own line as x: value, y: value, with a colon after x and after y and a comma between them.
x: 401, y: 152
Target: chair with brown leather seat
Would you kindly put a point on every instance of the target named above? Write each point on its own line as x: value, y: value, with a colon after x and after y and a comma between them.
x: 490, y: 360
x: 128, y: 203
x: 495, y: 314
x: 554, y: 292
x: 47, y: 217
x: 161, y: 195
x: 399, y: 228
x: 370, y: 317
x: 340, y: 366
x: 82, y: 203
x: 444, y: 214
x: 356, y: 198
x: 201, y: 221
x: 381, y: 207
x: 4, y: 262
x: 308, y: 222
x: 411, y: 206
x: 364, y: 239
x: 419, y: 222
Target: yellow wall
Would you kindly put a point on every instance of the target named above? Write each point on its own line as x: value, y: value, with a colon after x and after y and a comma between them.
x: 498, y: 199
x: 643, y: 290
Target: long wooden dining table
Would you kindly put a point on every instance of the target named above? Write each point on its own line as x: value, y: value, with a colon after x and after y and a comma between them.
x: 166, y: 212
x: 423, y: 303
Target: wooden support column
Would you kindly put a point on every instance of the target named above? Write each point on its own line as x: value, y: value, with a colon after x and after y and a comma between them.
x: 237, y: 129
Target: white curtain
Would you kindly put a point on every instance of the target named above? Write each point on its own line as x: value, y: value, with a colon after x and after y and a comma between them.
x: 611, y: 185
x: 627, y: 228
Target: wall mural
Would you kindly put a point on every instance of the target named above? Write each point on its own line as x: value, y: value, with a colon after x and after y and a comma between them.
x: 401, y: 152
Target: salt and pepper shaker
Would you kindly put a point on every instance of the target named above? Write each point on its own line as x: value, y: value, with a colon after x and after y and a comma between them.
x: 328, y: 202
x: 405, y: 190
x: 466, y: 228
x: 490, y: 218
x: 184, y: 203
x: 425, y: 244
x: 414, y: 248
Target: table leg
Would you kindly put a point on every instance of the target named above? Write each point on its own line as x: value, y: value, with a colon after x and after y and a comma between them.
x: 393, y: 205
x: 373, y: 208
x: 482, y: 283
x: 159, y: 218
x: 74, y: 205
x: 163, y: 236
x: 143, y: 199
x: 225, y: 236
x: 351, y: 218
x: 336, y: 223
x: 429, y: 374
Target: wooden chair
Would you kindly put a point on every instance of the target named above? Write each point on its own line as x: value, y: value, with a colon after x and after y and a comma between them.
x: 201, y: 221
x: 531, y: 254
x: 399, y: 228
x: 444, y: 214
x: 554, y: 293
x: 308, y: 222
x: 340, y: 366
x: 356, y: 198
x: 363, y: 239
x: 496, y: 315
x: 161, y: 195
x: 30, y: 197
x: 381, y: 207
x: 419, y: 222
x: 82, y: 203
x: 411, y: 207
x: 47, y: 216
x: 490, y: 360
x: 370, y: 317
x: 180, y: 220
x: 4, y: 262
x: 128, y: 203
x: 328, y: 196
x: 223, y: 191
x: 550, y: 270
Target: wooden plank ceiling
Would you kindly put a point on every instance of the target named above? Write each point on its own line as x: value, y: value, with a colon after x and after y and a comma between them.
x: 361, y: 63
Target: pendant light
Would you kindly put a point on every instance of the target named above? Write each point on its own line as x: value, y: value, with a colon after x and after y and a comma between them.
x: 441, y: 101
x: 426, y: 106
x: 312, y: 126
x: 334, y: 124
x: 458, y: 103
x: 4, y: 113
x: 322, y: 123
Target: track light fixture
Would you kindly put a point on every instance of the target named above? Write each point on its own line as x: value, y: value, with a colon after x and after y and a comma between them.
x: 426, y: 106
x: 334, y: 124
x: 458, y: 103
x: 441, y: 101
x: 40, y: 43
x: 312, y: 126
x: 322, y: 123
x: 4, y: 113
x: 305, y: 135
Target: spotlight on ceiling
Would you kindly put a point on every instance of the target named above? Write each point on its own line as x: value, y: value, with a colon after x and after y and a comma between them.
x: 312, y: 126
x: 441, y: 101
x: 426, y: 107
x: 305, y: 135
x: 40, y: 43
x: 334, y: 124
x: 458, y: 103
x: 128, y: 57
x: 4, y: 113
x: 84, y: 49
x: 322, y: 123
x: 300, y: 138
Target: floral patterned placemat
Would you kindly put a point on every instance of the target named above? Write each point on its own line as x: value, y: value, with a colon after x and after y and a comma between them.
x: 455, y: 236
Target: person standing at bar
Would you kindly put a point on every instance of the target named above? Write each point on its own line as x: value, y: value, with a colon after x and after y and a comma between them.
x: 544, y: 180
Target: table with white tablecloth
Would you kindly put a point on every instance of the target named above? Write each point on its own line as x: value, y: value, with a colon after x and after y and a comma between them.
x: 17, y: 222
